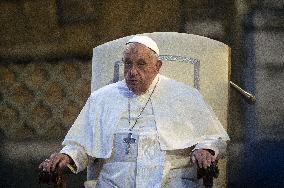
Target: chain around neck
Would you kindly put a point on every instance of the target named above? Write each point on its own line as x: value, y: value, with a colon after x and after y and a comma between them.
x: 136, y: 120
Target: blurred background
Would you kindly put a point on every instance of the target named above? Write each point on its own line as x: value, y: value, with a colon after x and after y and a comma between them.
x: 45, y: 73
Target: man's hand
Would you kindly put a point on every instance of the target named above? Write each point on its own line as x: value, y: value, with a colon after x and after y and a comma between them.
x: 203, y: 158
x: 56, y: 160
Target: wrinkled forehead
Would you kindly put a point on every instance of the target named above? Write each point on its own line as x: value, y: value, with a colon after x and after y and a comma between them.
x: 137, y: 50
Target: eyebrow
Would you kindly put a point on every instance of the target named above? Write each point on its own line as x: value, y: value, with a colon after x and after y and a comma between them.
x: 139, y: 60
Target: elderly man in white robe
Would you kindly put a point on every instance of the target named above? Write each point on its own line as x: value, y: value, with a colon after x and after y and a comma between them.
x: 149, y: 130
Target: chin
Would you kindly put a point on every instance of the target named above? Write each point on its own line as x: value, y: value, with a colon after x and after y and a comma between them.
x: 135, y: 90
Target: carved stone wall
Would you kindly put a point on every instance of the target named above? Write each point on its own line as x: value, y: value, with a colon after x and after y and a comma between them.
x: 41, y: 99
x: 58, y: 28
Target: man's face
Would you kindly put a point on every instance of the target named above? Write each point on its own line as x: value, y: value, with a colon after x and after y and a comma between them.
x: 140, y: 67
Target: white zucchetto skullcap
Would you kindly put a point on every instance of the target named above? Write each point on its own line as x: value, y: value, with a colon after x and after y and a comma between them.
x: 145, y: 40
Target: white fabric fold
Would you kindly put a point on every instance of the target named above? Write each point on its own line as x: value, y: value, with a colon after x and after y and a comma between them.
x: 78, y: 154
x: 218, y: 146
x: 182, y: 117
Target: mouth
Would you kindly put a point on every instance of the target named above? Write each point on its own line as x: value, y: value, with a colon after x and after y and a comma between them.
x: 132, y: 82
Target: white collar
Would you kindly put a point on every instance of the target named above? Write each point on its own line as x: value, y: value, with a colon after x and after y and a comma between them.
x: 145, y: 95
x: 151, y: 87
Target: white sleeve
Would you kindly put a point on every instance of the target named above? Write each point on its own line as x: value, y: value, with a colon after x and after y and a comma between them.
x: 218, y: 146
x: 78, y: 154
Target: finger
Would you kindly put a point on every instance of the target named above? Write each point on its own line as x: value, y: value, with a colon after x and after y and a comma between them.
x: 193, y: 159
x: 206, y: 164
x: 44, y: 166
x: 60, y: 161
x: 200, y: 162
x: 198, y: 158
x: 62, y: 164
x: 53, y: 155
x: 40, y: 166
x: 48, y: 166
x: 55, y: 161
x: 209, y: 159
x: 214, y: 158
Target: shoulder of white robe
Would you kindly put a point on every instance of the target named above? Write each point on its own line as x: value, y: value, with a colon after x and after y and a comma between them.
x: 172, y: 88
x: 108, y: 89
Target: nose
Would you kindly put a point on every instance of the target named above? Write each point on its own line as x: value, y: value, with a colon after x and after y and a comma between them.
x: 133, y: 70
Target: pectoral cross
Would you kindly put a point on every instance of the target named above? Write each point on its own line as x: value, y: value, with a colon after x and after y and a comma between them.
x: 129, y: 140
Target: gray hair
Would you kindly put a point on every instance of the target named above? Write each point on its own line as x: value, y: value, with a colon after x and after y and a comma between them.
x: 129, y: 45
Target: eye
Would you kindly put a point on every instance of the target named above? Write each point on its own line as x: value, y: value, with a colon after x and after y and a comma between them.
x: 127, y: 63
x: 142, y: 64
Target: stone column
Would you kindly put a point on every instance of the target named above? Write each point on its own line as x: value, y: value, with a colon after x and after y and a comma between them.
x: 264, y: 75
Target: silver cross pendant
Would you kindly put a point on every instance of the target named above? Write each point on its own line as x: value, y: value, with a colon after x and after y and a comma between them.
x: 129, y: 140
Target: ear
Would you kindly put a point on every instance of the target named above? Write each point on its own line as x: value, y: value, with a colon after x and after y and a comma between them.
x: 159, y: 64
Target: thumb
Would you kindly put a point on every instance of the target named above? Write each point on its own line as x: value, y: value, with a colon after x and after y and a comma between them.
x: 62, y: 164
x: 193, y: 159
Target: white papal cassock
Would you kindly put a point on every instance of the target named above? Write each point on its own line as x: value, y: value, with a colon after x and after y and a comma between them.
x: 175, y: 121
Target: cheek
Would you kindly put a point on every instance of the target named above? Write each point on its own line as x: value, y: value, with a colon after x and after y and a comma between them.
x: 148, y: 77
x: 125, y: 72
x: 151, y: 74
